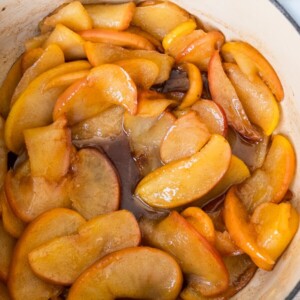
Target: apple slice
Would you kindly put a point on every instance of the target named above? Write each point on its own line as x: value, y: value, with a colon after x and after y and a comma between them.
x: 258, y: 101
x: 95, y: 187
x: 4, y: 294
x: 270, y: 182
x: 253, y: 63
x: 175, y: 235
x: 224, y: 94
x: 101, y: 53
x: 95, y: 93
x: 36, y: 41
x: 180, y: 182
x: 113, y: 16
x: 134, y: 273
x: 30, y: 57
x: 225, y: 245
x: 22, y: 282
x: 3, y: 153
x: 212, y: 115
x: 29, y: 111
x: 186, y: 137
x: 63, y: 259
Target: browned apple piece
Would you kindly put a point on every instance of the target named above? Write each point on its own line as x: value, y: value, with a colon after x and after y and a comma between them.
x: 201, y: 264
x: 159, y: 18
x: 212, y: 115
x: 186, y: 137
x: 7, y: 243
x: 69, y: 41
x: 95, y: 187
x: 30, y: 196
x: 224, y: 94
x: 107, y: 124
x: 100, y: 53
x: 30, y: 57
x: 4, y: 294
x: 63, y: 259
x: 68, y: 15
x: 49, y: 150
x: 225, y: 245
x: 3, y: 153
x: 36, y: 41
x: 22, y: 282
x: 134, y: 273
x: 114, y: 16
x: 183, y: 181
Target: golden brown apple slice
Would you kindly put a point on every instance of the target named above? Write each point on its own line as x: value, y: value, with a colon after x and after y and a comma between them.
x: 253, y: 63
x: 63, y: 259
x: 68, y: 15
x: 177, y: 237
x: 258, y: 101
x: 4, y: 294
x: 159, y: 18
x: 186, y: 137
x: 224, y: 94
x: 135, y: 273
x: 95, y: 187
x: 7, y: 243
x: 3, y: 153
x: 29, y: 104
x: 270, y: 182
x: 225, y: 245
x: 30, y: 57
x: 95, y: 93
x: 180, y: 182
x: 212, y: 115
x: 69, y: 41
x: 49, y: 150
x: 36, y: 41
x: 22, y: 282
x: 101, y: 53
x: 30, y: 196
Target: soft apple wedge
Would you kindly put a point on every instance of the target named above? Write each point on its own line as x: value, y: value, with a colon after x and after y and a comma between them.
x: 108, y: 123
x: 159, y: 18
x: 30, y: 57
x: 49, y: 150
x: 175, y: 235
x: 225, y: 245
x: 276, y: 225
x: 224, y: 94
x: 95, y: 187
x: 186, y: 137
x: 95, y: 93
x: 180, y: 182
x: 258, y: 101
x: 29, y: 105
x: 71, y: 43
x: 241, y: 230
x: 253, y: 63
x: 4, y: 294
x: 7, y: 243
x: 22, y: 282
x: 142, y: 71
x: 68, y: 15
x: 118, y: 38
x: 212, y: 115
x: 37, y: 41
x: 270, y: 182
x: 100, y: 53
x: 63, y: 259
x: 113, y: 16
x: 134, y: 273
x: 3, y: 153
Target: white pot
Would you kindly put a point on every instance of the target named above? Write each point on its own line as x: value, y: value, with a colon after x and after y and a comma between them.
x: 258, y: 22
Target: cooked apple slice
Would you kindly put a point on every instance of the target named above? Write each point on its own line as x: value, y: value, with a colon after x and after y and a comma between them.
x: 68, y: 15
x: 135, y: 273
x: 159, y: 18
x: 258, y: 101
x: 22, y: 282
x: 4, y: 294
x: 7, y: 243
x: 63, y: 259
x: 36, y: 41
x: 29, y: 111
x: 95, y: 187
x: 180, y: 182
x: 224, y: 94
x: 270, y: 182
x: 114, y: 16
x: 30, y: 57
x: 175, y: 235
x: 69, y: 41
x: 142, y: 71
x: 225, y: 245
x: 186, y: 137
x: 3, y: 153
x: 253, y: 63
